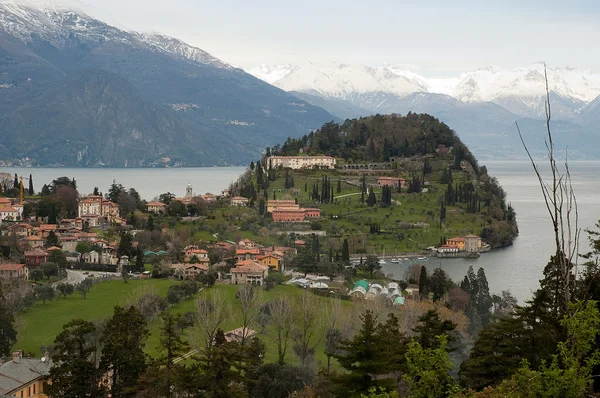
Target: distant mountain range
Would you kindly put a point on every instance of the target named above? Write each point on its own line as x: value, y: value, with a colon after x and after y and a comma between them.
x: 481, y: 105
x: 76, y: 91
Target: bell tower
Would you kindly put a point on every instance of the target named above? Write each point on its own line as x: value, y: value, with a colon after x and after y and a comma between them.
x: 189, y: 192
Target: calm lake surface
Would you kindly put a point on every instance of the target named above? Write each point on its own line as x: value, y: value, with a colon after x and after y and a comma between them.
x: 148, y: 182
x: 517, y: 268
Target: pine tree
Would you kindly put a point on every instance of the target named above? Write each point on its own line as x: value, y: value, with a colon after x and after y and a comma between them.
x: 75, y: 354
x: 123, y: 350
x: 423, y: 283
x: 31, y: 192
x: 483, y: 298
x: 346, y: 252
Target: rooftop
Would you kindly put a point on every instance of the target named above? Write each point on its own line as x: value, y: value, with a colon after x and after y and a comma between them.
x: 14, y: 375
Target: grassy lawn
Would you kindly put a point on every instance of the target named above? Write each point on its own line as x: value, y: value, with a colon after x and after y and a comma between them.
x: 232, y: 322
x: 409, y: 225
x: 42, y: 322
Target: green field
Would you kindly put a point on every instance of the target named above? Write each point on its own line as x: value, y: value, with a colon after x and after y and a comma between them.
x: 228, y: 291
x: 40, y: 324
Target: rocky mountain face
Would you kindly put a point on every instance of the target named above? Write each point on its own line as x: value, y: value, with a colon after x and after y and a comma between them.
x: 76, y: 91
x: 481, y: 105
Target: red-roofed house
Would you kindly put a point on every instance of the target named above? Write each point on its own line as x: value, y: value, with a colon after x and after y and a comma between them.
x: 9, y: 213
x: 193, y: 250
x: 21, y: 230
x: 14, y: 271
x: 247, y: 254
x: 33, y: 241
x: 249, y: 271
x: 36, y: 257
x: 391, y: 182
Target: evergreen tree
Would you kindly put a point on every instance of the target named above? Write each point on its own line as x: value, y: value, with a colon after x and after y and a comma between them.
x: 361, y: 357
x: 150, y: 223
x: 75, y: 373
x: 483, y: 298
x: 423, y: 283
x: 371, y: 200
x: 8, y: 334
x: 31, y: 192
x: 438, y: 284
x: 430, y: 327
x: 339, y: 186
x: 346, y: 251
x: 52, y: 214
x: 123, y: 351
x: 16, y: 182
x: 261, y: 207
x: 139, y: 259
x: 125, y: 245
x: 96, y: 192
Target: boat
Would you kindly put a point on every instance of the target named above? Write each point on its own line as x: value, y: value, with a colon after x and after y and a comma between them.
x: 382, y: 262
x: 422, y: 258
x: 405, y: 259
x: 395, y: 260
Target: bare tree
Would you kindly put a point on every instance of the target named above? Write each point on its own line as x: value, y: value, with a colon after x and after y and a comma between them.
x: 282, y: 319
x: 310, y: 327
x: 251, y: 300
x: 561, y: 204
x: 211, y: 313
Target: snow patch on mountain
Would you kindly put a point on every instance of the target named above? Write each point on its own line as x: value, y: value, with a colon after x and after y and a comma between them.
x: 58, y: 21
x: 485, y: 84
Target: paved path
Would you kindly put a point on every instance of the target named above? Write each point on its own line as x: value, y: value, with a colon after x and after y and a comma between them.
x: 73, y: 278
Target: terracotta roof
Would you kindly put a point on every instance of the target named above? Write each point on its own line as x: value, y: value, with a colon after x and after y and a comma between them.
x: 35, y: 253
x: 457, y: 239
x: 48, y: 227
x: 8, y: 210
x: 249, y: 266
x: 53, y: 248
x: 157, y: 204
x: 203, y: 267
x: 34, y: 238
x: 11, y: 267
x: 247, y: 251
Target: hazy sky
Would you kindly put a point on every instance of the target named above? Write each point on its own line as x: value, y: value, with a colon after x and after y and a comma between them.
x: 434, y: 37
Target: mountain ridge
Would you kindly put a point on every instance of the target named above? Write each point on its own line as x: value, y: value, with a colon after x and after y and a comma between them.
x: 218, y: 114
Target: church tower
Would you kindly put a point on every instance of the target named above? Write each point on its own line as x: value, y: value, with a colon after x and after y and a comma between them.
x: 189, y: 192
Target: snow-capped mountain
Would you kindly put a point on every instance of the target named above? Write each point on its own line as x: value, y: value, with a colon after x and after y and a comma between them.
x: 520, y: 90
x: 59, y: 21
x: 481, y: 105
x: 76, y: 89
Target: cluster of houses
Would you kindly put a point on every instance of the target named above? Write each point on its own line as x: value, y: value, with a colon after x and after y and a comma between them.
x: 33, y: 238
x: 252, y: 262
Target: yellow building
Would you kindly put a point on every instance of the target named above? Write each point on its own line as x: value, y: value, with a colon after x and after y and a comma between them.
x: 469, y: 243
x: 458, y: 241
x: 24, y: 377
x: 270, y: 261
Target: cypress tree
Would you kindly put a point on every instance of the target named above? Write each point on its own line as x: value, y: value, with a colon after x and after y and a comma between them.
x: 16, y: 182
x: 346, y: 252
x: 31, y: 185
x: 423, y: 283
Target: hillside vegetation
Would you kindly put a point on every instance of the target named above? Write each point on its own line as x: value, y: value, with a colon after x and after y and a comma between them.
x: 446, y: 194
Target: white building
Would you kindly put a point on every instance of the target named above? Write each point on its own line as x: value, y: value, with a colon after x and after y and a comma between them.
x: 301, y: 162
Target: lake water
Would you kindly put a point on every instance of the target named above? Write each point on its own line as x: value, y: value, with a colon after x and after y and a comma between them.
x: 148, y: 182
x: 517, y: 268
